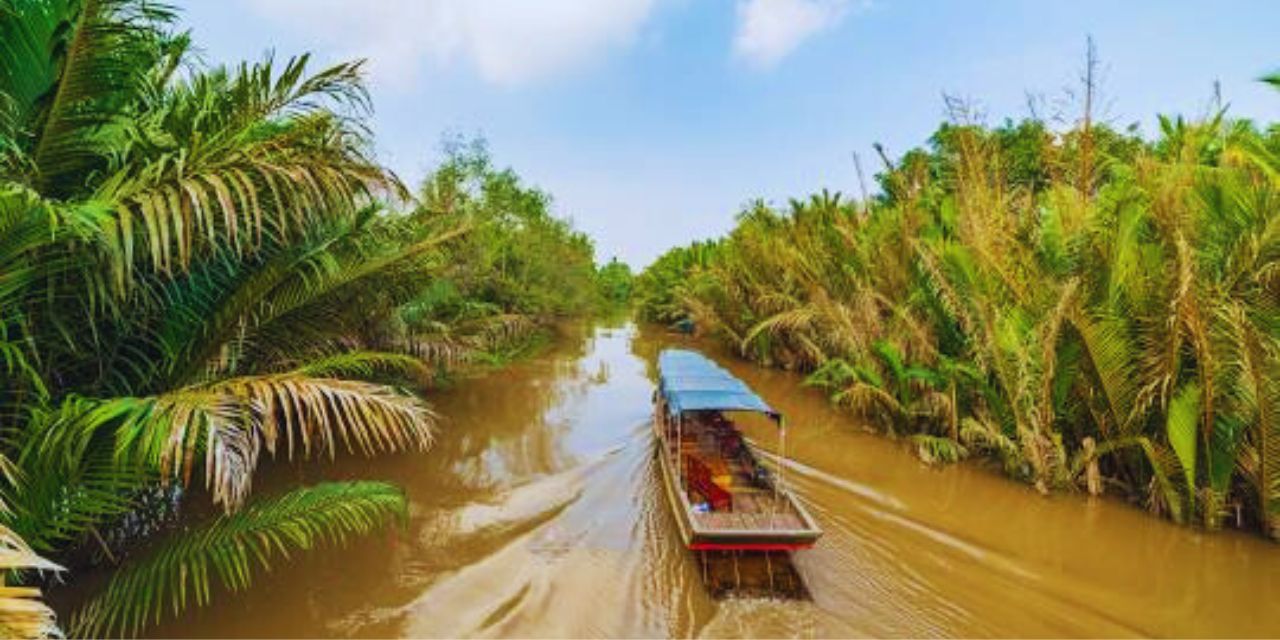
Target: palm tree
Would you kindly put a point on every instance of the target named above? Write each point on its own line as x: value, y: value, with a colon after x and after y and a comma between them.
x: 179, y: 255
x: 1130, y: 328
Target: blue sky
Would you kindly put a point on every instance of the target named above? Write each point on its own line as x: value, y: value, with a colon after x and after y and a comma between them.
x: 652, y: 121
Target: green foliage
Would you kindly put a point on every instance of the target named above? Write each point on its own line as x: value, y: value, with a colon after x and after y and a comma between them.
x: 1023, y: 293
x: 1181, y: 429
x: 659, y: 291
x: 197, y: 269
x: 614, y: 282
x: 516, y: 254
x: 180, y: 572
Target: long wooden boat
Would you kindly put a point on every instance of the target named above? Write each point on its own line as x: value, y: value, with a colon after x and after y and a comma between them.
x: 722, y: 497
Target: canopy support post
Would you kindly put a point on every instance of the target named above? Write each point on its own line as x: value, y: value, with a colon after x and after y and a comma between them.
x: 782, y: 451
x: 679, y: 455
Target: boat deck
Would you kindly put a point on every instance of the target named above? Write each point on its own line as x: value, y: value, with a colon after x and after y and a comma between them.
x: 754, y: 504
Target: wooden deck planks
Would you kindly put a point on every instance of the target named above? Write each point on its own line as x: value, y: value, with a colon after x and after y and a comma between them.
x: 749, y: 521
x: 754, y: 508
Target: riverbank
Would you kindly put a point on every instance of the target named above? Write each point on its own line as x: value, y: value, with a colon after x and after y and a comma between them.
x: 1090, y: 308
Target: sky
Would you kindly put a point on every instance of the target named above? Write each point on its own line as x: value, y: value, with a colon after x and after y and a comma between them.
x: 652, y: 122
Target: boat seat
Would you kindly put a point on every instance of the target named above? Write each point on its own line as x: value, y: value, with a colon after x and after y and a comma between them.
x: 698, y: 475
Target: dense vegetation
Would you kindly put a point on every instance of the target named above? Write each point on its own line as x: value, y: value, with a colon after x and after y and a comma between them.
x: 198, y: 269
x: 1087, y: 307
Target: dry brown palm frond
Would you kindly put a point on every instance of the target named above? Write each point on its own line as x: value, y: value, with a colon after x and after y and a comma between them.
x: 707, y: 318
x: 938, y: 406
x: 493, y: 331
x: 980, y: 433
x: 1256, y: 400
x: 793, y: 321
x: 804, y: 264
x: 436, y: 343
x: 772, y: 302
x: 936, y: 449
x: 232, y: 421
x: 22, y: 613
x: 455, y: 345
x: 444, y: 351
x: 870, y: 401
x: 811, y: 353
x: 845, y: 328
x: 1187, y: 309
x: 1160, y: 344
x: 1046, y: 456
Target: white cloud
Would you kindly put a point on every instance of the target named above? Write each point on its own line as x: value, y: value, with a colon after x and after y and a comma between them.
x: 508, y: 42
x: 768, y: 30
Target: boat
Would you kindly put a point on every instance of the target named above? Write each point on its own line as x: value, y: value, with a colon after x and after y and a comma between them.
x: 722, y: 497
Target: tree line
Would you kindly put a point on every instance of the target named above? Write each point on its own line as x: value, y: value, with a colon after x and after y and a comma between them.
x: 1086, y: 307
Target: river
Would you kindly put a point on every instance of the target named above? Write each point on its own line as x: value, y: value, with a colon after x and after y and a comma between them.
x: 538, y: 513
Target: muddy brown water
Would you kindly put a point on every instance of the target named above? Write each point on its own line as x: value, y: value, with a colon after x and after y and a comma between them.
x: 539, y: 513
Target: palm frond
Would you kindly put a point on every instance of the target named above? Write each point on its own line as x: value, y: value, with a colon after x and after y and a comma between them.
x: 98, y: 54
x: 936, y: 449
x: 871, y: 401
x: 236, y: 161
x: 1182, y: 430
x: 232, y: 421
x: 1272, y: 79
x: 982, y: 435
x: 362, y: 365
x: 185, y: 570
x: 22, y: 613
x: 788, y: 321
x: 1164, y: 493
x: 1112, y: 354
x: 292, y: 305
x: 71, y: 481
x: 1259, y: 387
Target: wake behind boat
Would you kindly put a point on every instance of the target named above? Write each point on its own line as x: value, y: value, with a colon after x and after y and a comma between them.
x: 722, y: 497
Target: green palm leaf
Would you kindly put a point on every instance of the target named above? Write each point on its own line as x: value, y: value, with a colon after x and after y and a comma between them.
x: 1112, y: 353
x: 72, y: 481
x: 363, y: 365
x: 1272, y: 79
x: 240, y: 159
x: 1182, y: 426
x: 96, y: 55
x: 182, y: 571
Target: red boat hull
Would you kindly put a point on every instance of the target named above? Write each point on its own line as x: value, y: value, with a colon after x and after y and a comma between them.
x: 730, y: 546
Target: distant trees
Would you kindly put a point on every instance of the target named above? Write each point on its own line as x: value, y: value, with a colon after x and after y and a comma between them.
x: 614, y: 282
x: 516, y: 254
x: 662, y: 292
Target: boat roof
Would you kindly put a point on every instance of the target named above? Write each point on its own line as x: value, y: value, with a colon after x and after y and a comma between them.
x: 692, y: 382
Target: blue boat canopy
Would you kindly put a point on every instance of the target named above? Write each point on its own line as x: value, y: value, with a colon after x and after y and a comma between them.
x: 689, y: 381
